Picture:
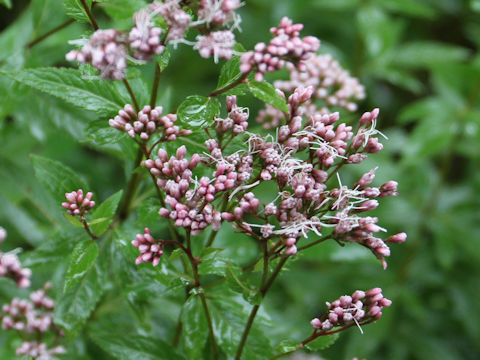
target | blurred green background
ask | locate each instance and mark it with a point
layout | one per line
(420, 64)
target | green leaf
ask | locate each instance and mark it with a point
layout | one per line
(267, 93)
(322, 342)
(7, 3)
(73, 220)
(56, 177)
(103, 215)
(418, 54)
(287, 346)
(102, 133)
(198, 111)
(55, 249)
(229, 313)
(100, 96)
(122, 9)
(82, 259)
(379, 32)
(195, 328)
(148, 212)
(163, 59)
(230, 73)
(74, 308)
(133, 346)
(75, 9)
(212, 263)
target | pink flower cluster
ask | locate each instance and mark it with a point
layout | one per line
(11, 267)
(285, 46)
(105, 51)
(333, 85)
(34, 317)
(218, 12)
(150, 249)
(237, 118)
(39, 351)
(360, 308)
(177, 20)
(144, 38)
(218, 44)
(147, 122)
(77, 204)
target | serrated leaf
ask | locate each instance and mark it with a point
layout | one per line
(83, 257)
(322, 342)
(100, 96)
(195, 328)
(75, 9)
(197, 112)
(56, 177)
(55, 249)
(266, 92)
(100, 132)
(73, 220)
(103, 215)
(74, 308)
(229, 72)
(134, 347)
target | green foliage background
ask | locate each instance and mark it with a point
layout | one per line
(420, 63)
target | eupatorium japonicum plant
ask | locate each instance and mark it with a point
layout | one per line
(275, 177)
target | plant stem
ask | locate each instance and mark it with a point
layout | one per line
(48, 33)
(229, 86)
(156, 81)
(263, 291)
(90, 15)
(132, 185)
(210, 325)
(322, 239)
(178, 332)
(194, 263)
(132, 95)
(87, 229)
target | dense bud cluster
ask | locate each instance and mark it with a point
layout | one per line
(11, 267)
(147, 122)
(144, 38)
(237, 118)
(360, 308)
(285, 46)
(150, 249)
(33, 319)
(77, 204)
(106, 51)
